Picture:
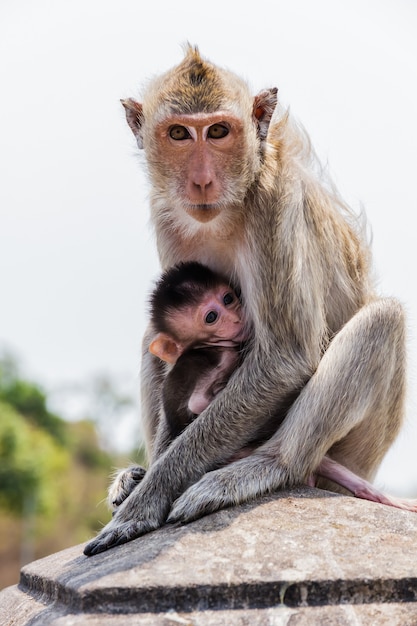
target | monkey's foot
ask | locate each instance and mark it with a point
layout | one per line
(234, 484)
(206, 496)
(114, 535)
(123, 485)
(369, 492)
(403, 503)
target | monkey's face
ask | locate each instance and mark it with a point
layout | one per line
(202, 132)
(216, 320)
(201, 162)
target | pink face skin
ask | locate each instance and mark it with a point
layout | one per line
(203, 139)
(204, 146)
(217, 320)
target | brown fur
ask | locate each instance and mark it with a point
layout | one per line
(282, 233)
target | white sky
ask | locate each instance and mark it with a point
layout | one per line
(76, 255)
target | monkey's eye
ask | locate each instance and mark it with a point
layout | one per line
(211, 317)
(228, 298)
(217, 131)
(179, 133)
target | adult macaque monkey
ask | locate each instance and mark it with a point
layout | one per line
(200, 330)
(245, 196)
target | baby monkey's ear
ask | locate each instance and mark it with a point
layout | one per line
(166, 348)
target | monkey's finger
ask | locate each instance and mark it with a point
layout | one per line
(101, 543)
(115, 537)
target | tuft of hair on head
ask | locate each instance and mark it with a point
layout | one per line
(194, 85)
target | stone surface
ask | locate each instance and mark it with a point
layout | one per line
(297, 558)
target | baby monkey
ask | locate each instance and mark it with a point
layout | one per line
(201, 332)
(197, 316)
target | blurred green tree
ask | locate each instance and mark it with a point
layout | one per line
(29, 457)
(28, 399)
(53, 473)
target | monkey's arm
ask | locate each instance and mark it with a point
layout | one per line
(156, 433)
(153, 372)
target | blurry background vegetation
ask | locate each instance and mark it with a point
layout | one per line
(54, 473)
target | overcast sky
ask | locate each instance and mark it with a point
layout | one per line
(77, 257)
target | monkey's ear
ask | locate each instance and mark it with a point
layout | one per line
(165, 348)
(134, 117)
(263, 107)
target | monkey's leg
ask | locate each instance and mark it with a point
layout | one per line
(352, 406)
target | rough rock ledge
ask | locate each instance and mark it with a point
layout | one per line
(297, 558)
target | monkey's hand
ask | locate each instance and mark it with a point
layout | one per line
(123, 484)
(144, 510)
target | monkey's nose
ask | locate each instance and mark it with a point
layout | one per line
(202, 190)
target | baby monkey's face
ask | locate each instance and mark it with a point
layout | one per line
(216, 320)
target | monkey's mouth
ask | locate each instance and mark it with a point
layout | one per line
(204, 207)
(233, 342)
(203, 212)
(221, 343)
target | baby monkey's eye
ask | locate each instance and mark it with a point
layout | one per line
(179, 133)
(211, 317)
(228, 298)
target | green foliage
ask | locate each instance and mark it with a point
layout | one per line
(84, 445)
(43, 459)
(29, 461)
(53, 474)
(29, 400)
